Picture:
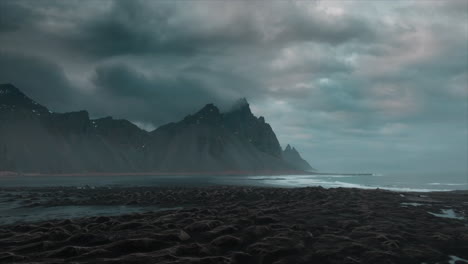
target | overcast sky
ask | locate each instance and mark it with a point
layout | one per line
(374, 86)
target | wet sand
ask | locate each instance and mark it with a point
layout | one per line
(241, 225)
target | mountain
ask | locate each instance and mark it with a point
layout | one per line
(292, 156)
(35, 140)
(243, 123)
(211, 140)
(12, 100)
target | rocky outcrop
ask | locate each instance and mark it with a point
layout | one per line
(292, 156)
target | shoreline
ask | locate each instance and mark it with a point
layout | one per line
(196, 180)
(267, 179)
(208, 173)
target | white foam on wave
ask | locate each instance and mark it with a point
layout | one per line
(334, 176)
(306, 181)
(408, 189)
(448, 184)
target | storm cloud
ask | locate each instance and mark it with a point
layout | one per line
(354, 85)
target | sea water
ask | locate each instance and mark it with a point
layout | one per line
(12, 212)
(421, 182)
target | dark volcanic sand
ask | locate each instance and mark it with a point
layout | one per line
(241, 225)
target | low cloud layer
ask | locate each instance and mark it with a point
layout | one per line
(355, 86)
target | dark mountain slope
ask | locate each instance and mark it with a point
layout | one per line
(292, 156)
(32, 139)
(203, 142)
(35, 140)
(242, 122)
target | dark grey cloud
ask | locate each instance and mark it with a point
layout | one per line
(13, 15)
(140, 27)
(43, 80)
(145, 27)
(335, 78)
(155, 99)
(124, 29)
(335, 32)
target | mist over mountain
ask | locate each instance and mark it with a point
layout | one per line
(33, 139)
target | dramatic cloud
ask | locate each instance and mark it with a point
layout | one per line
(41, 79)
(154, 98)
(354, 85)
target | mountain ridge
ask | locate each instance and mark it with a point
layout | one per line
(35, 140)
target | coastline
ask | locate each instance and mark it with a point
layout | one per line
(162, 173)
(285, 179)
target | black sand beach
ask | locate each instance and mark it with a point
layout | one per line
(242, 225)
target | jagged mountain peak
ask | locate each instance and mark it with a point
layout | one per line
(241, 103)
(8, 88)
(241, 106)
(291, 149)
(245, 124)
(291, 155)
(9, 92)
(209, 114)
(208, 109)
(12, 99)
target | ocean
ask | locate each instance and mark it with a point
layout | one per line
(420, 182)
(13, 211)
